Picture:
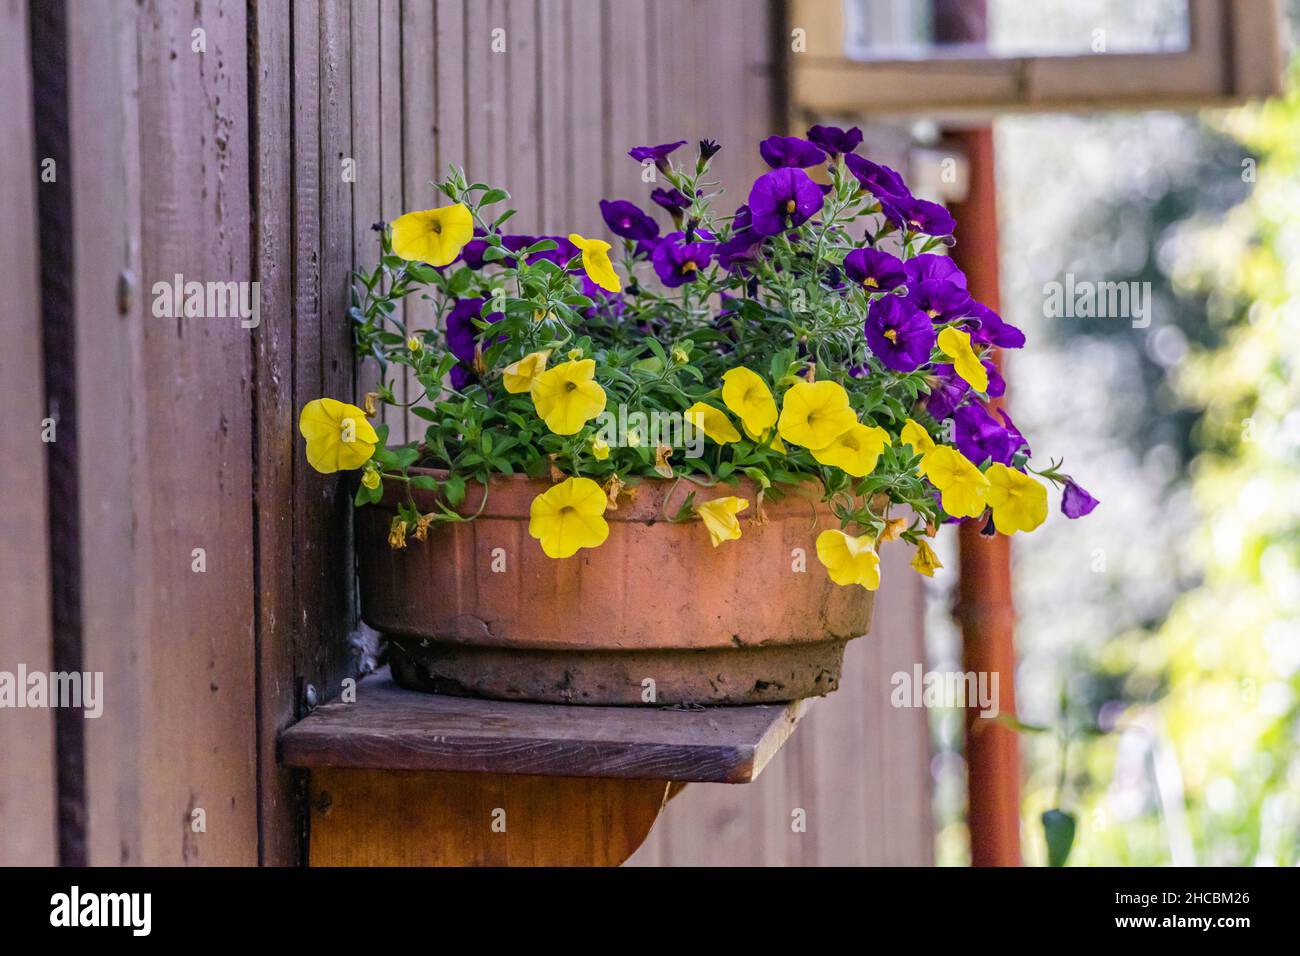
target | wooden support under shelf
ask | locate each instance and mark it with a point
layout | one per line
(404, 778)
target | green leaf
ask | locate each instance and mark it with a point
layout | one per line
(1058, 830)
(424, 481)
(494, 196)
(454, 489)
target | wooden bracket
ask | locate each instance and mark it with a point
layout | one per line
(399, 778)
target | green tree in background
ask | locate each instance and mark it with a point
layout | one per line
(1208, 771)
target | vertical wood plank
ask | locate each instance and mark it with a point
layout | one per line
(276, 422)
(556, 152)
(586, 118)
(390, 161)
(329, 659)
(173, 429)
(27, 797)
(521, 117)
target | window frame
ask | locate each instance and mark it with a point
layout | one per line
(1234, 53)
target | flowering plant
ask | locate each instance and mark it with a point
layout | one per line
(815, 334)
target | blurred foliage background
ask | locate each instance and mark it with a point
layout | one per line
(1168, 622)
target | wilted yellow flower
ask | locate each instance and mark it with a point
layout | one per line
(567, 396)
(849, 559)
(422, 527)
(713, 421)
(372, 409)
(519, 376)
(748, 396)
(925, 561)
(963, 488)
(613, 488)
(569, 516)
(814, 414)
(414, 344)
(338, 436)
(662, 466)
(856, 451)
(719, 517)
(955, 344)
(1019, 502)
(370, 478)
(397, 534)
(595, 260)
(599, 449)
(435, 236)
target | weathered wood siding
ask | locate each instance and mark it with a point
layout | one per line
(227, 163)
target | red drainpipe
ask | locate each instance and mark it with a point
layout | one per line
(984, 606)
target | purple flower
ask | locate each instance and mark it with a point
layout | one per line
(783, 199)
(900, 335)
(997, 384)
(881, 181)
(462, 338)
(708, 149)
(946, 392)
(670, 199)
(835, 140)
(979, 437)
(920, 215)
(472, 252)
(677, 262)
(628, 220)
(563, 253)
(941, 301)
(874, 270)
(782, 151)
(930, 266)
(992, 330)
(656, 154)
(741, 246)
(1075, 501)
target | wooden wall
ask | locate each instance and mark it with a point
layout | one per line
(228, 164)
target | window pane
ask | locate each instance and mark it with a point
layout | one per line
(906, 29)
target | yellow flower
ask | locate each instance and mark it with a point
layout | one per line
(963, 487)
(569, 516)
(338, 436)
(414, 344)
(719, 517)
(397, 534)
(955, 344)
(761, 437)
(435, 236)
(849, 560)
(599, 449)
(595, 260)
(856, 451)
(567, 396)
(814, 414)
(922, 444)
(750, 399)
(925, 561)
(519, 376)
(1019, 502)
(370, 478)
(714, 422)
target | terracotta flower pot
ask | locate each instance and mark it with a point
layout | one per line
(655, 615)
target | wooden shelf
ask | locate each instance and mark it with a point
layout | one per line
(389, 728)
